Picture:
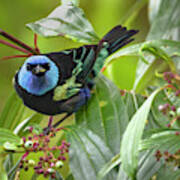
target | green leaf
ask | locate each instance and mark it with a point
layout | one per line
(106, 114)
(109, 166)
(153, 9)
(66, 20)
(132, 102)
(168, 11)
(88, 153)
(133, 12)
(166, 140)
(148, 166)
(133, 135)
(164, 25)
(30, 121)
(3, 174)
(12, 112)
(7, 136)
(70, 177)
(168, 172)
(12, 171)
(10, 146)
(161, 49)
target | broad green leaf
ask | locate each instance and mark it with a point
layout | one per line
(148, 166)
(132, 102)
(10, 146)
(12, 171)
(109, 166)
(12, 112)
(34, 119)
(166, 140)
(163, 26)
(146, 73)
(3, 174)
(133, 12)
(133, 135)
(66, 20)
(88, 153)
(156, 118)
(153, 8)
(168, 46)
(168, 11)
(70, 177)
(105, 113)
(8, 163)
(34, 177)
(7, 136)
(168, 172)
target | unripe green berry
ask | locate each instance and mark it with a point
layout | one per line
(28, 144)
(172, 113)
(31, 162)
(59, 164)
(178, 111)
(50, 170)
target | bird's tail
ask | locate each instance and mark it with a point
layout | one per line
(118, 37)
(115, 39)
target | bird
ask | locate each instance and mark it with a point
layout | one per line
(61, 82)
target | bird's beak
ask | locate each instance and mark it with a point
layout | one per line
(38, 70)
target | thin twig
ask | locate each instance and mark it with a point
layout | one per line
(14, 46)
(35, 44)
(15, 56)
(18, 42)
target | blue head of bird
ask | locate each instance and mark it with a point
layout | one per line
(38, 75)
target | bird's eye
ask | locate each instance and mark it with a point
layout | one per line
(46, 66)
(29, 67)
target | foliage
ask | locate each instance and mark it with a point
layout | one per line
(119, 134)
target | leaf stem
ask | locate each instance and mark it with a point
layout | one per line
(18, 42)
(13, 46)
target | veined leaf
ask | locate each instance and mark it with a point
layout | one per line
(166, 140)
(168, 11)
(133, 135)
(3, 174)
(154, 6)
(66, 20)
(88, 153)
(12, 112)
(106, 114)
(34, 119)
(163, 26)
(162, 49)
(109, 166)
(168, 172)
(7, 136)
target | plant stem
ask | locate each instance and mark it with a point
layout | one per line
(18, 42)
(14, 46)
(15, 56)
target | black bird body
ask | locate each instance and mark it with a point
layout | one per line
(77, 69)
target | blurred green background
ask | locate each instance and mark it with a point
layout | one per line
(103, 14)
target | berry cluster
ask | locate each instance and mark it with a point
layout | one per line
(169, 157)
(174, 81)
(171, 110)
(52, 158)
